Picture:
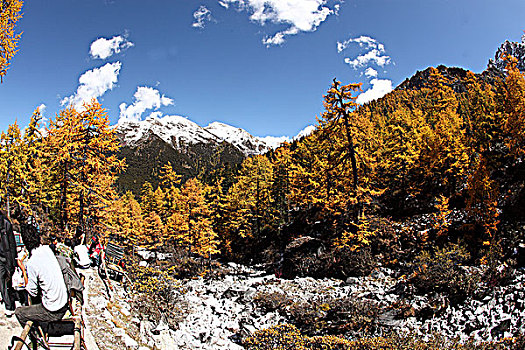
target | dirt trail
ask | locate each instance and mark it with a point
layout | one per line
(104, 318)
(8, 328)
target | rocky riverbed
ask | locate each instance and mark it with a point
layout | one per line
(218, 313)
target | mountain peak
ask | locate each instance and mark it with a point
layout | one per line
(238, 137)
(172, 129)
(178, 131)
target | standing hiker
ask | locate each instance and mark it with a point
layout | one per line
(7, 264)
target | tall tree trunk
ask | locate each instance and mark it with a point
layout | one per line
(8, 204)
(351, 148)
(63, 204)
(257, 204)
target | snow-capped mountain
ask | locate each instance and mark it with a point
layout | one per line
(179, 132)
(172, 129)
(238, 137)
(148, 145)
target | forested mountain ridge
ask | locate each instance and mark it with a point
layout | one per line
(191, 149)
(440, 156)
(445, 147)
(509, 48)
(145, 159)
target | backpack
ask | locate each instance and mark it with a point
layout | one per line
(7, 244)
(74, 284)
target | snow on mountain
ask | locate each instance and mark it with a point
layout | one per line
(305, 132)
(238, 137)
(276, 141)
(179, 131)
(173, 129)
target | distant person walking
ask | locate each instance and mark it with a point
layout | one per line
(81, 252)
(45, 279)
(8, 263)
(96, 250)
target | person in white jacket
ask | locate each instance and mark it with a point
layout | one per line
(45, 280)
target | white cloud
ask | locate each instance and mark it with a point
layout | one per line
(375, 52)
(363, 41)
(201, 16)
(278, 38)
(144, 98)
(93, 84)
(276, 141)
(299, 15)
(373, 56)
(103, 48)
(156, 114)
(371, 72)
(42, 108)
(380, 87)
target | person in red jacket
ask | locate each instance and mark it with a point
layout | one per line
(95, 251)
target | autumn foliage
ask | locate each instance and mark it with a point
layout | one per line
(10, 14)
(447, 144)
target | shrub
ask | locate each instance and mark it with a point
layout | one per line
(323, 314)
(441, 271)
(156, 292)
(288, 337)
(186, 265)
(279, 337)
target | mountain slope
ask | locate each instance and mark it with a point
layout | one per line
(149, 144)
(191, 149)
(238, 137)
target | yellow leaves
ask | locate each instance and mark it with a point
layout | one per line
(79, 156)
(514, 109)
(482, 200)
(250, 199)
(441, 217)
(10, 14)
(361, 236)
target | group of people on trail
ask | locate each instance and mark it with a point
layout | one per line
(40, 276)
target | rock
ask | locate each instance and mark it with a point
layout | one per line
(249, 328)
(130, 342)
(125, 311)
(300, 255)
(218, 313)
(389, 319)
(377, 274)
(500, 329)
(353, 280)
(161, 326)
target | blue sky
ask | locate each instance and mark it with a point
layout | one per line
(259, 65)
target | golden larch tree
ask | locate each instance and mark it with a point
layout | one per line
(10, 14)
